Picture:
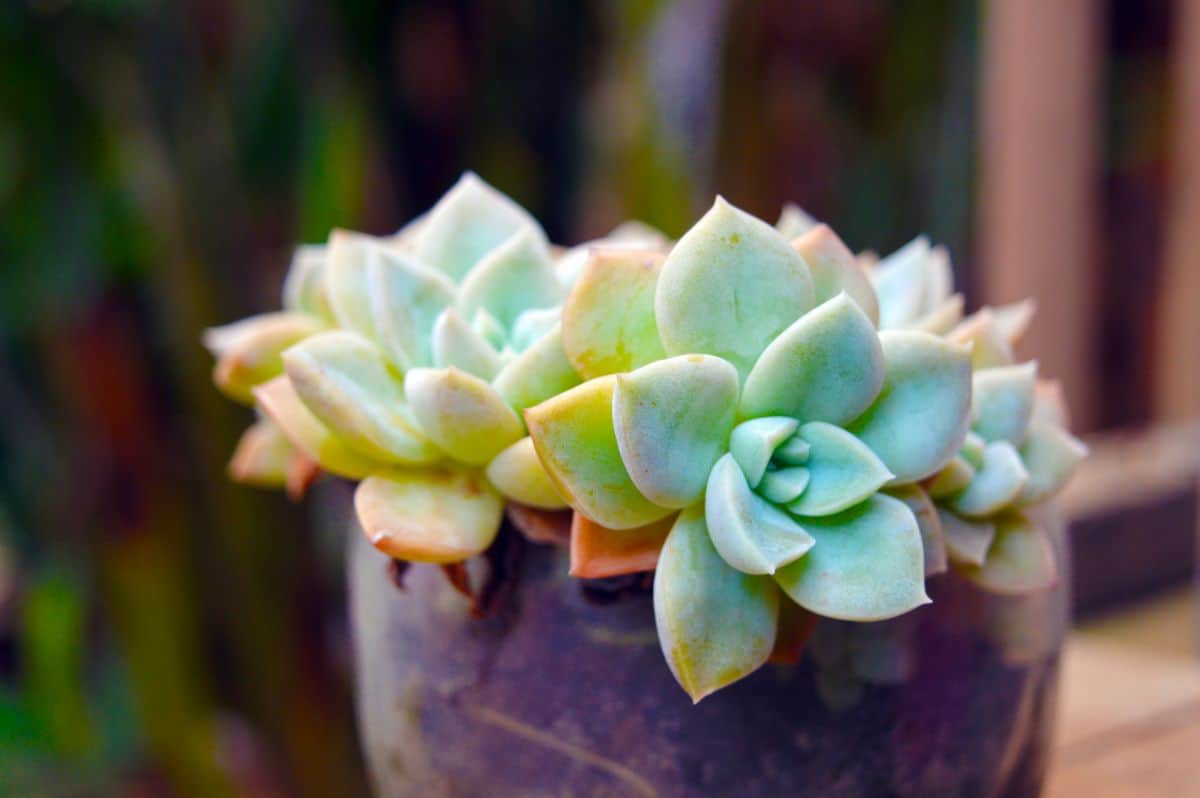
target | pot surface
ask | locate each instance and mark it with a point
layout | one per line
(562, 691)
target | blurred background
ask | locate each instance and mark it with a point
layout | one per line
(166, 633)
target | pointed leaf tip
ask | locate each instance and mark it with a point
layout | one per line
(728, 287)
(715, 624)
(672, 421)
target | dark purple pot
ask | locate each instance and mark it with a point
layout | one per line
(563, 691)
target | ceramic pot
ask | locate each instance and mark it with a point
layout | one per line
(562, 690)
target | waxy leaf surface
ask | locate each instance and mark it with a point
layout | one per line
(462, 414)
(827, 366)
(574, 436)
(715, 623)
(672, 420)
(429, 515)
(751, 534)
(608, 318)
(867, 563)
(728, 287)
(921, 415)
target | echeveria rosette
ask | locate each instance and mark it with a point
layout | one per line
(249, 353)
(444, 334)
(1018, 453)
(740, 399)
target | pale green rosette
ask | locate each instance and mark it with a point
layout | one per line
(1018, 453)
(438, 338)
(739, 386)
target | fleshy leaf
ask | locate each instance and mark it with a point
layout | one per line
(844, 471)
(835, 270)
(728, 287)
(349, 386)
(753, 442)
(997, 483)
(972, 449)
(518, 474)
(794, 221)
(468, 222)
(867, 563)
(304, 285)
(598, 552)
(262, 457)
(1049, 404)
(277, 398)
(967, 542)
(908, 284)
(782, 485)
(715, 624)
(1014, 319)
(406, 298)
(458, 344)
(429, 515)
(943, 318)
(827, 366)
(957, 474)
(538, 373)
(933, 539)
(551, 527)
(574, 436)
(1050, 455)
(920, 418)
(490, 329)
(631, 235)
(751, 534)
(248, 351)
(533, 325)
(989, 346)
(672, 420)
(462, 414)
(608, 318)
(346, 287)
(794, 451)
(1020, 560)
(511, 279)
(1003, 402)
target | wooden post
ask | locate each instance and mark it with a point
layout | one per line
(1039, 124)
(1176, 361)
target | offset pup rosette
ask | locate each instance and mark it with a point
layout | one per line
(423, 350)
(745, 429)
(1018, 452)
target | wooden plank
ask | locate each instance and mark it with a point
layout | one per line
(1176, 366)
(1040, 122)
(1134, 487)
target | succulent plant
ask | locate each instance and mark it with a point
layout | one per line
(418, 351)
(1018, 452)
(777, 428)
(742, 412)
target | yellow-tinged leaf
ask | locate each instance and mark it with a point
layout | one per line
(715, 623)
(574, 436)
(262, 456)
(462, 414)
(518, 474)
(608, 318)
(277, 398)
(429, 514)
(249, 351)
